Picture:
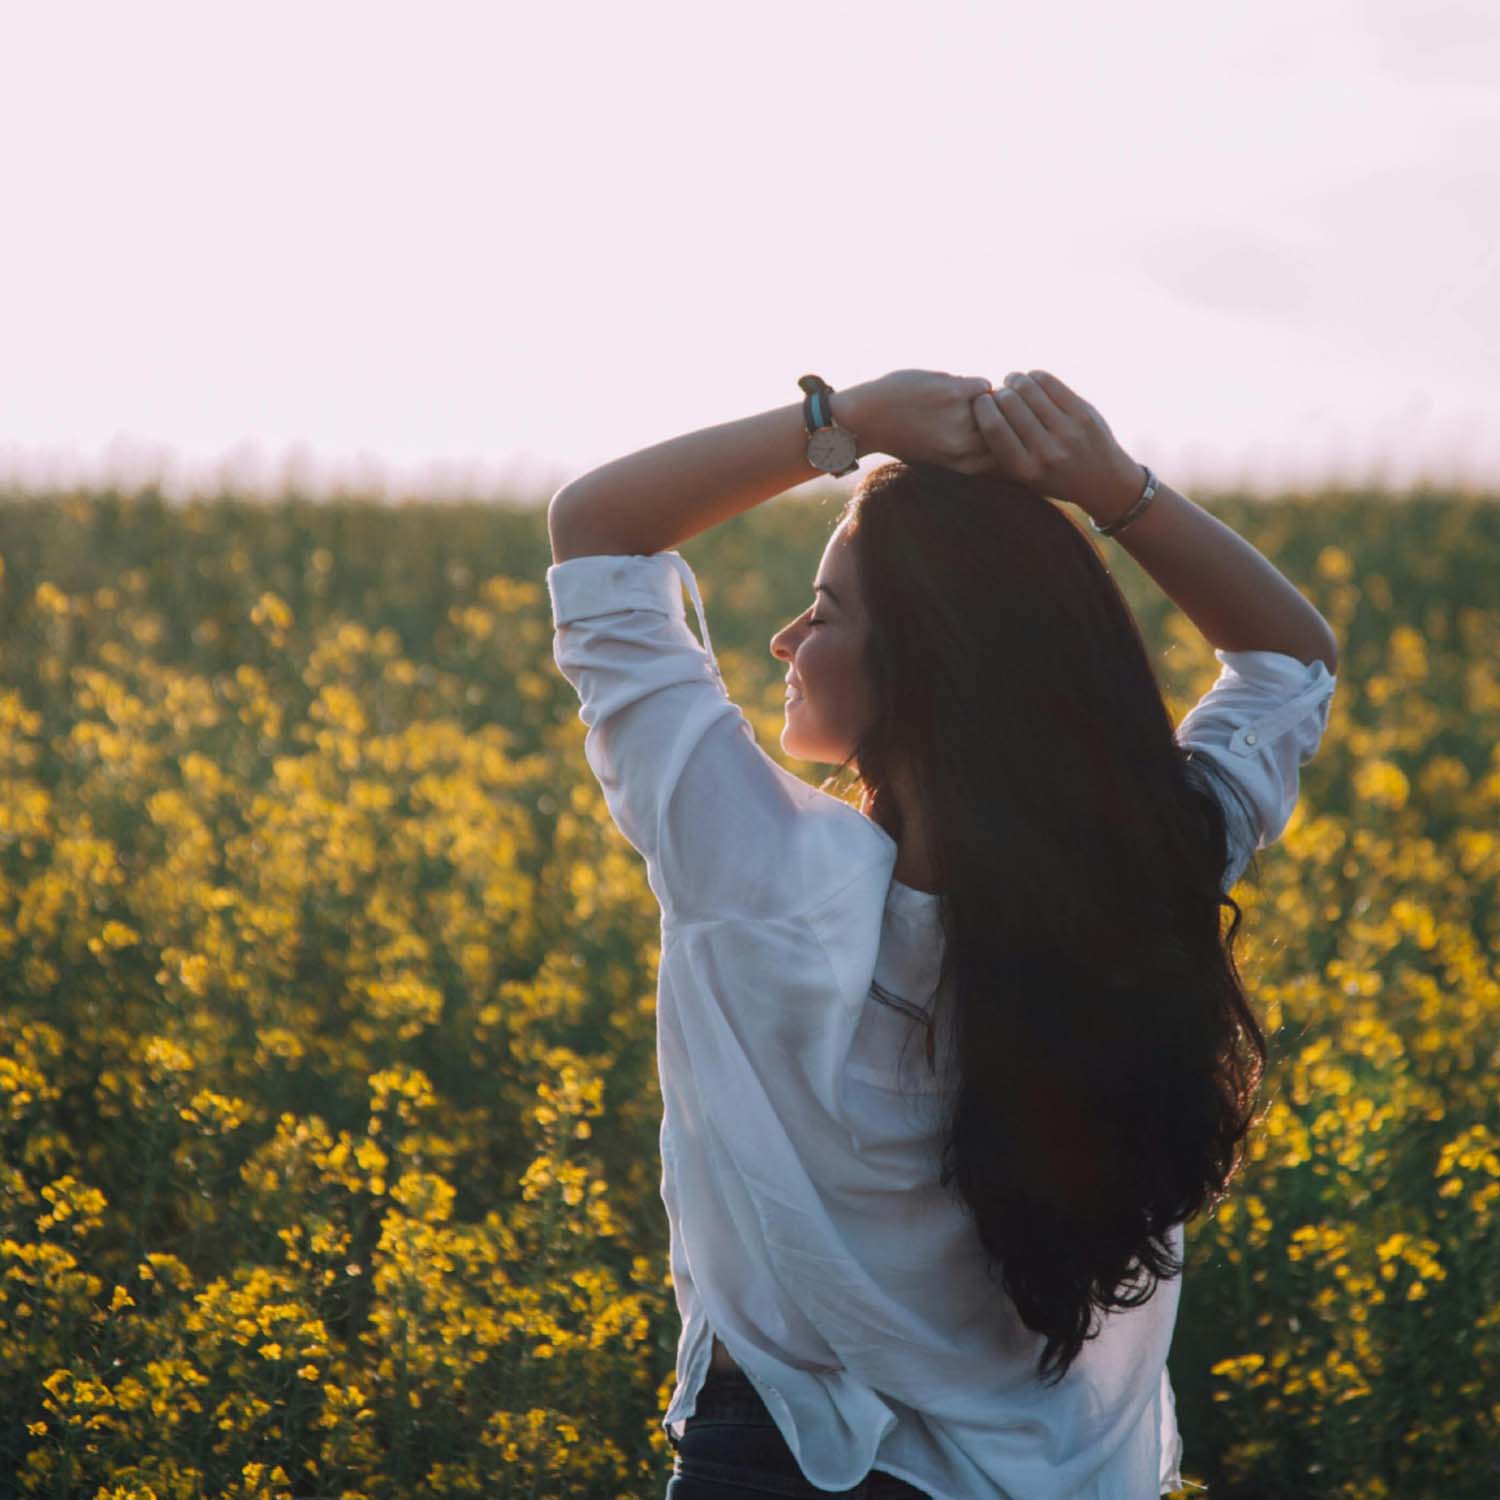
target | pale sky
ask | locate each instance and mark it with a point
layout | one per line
(467, 247)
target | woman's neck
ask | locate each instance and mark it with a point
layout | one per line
(913, 858)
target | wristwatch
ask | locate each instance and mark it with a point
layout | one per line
(829, 447)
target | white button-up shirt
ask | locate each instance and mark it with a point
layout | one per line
(799, 1160)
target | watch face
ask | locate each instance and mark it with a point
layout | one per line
(831, 448)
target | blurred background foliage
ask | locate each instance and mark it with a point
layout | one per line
(327, 1062)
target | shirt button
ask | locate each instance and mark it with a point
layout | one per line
(1250, 738)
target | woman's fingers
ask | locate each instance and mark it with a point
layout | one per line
(1065, 454)
(1023, 430)
(1062, 396)
(1037, 404)
(1021, 415)
(999, 436)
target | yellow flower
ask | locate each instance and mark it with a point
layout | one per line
(1382, 783)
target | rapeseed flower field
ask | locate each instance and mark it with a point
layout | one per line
(327, 1071)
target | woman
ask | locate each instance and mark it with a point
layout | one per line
(951, 1275)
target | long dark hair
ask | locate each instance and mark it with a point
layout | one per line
(1105, 1055)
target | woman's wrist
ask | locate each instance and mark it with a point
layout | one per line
(1117, 494)
(851, 410)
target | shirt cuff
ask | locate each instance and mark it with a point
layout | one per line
(1273, 669)
(1303, 689)
(602, 583)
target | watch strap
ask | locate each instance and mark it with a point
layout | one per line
(816, 409)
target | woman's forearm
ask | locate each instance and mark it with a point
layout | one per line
(1234, 595)
(654, 499)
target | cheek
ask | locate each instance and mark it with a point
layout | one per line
(816, 659)
(832, 671)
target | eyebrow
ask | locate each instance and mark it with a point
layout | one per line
(823, 588)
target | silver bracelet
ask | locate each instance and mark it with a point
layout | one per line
(1148, 494)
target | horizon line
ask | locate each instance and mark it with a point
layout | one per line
(527, 480)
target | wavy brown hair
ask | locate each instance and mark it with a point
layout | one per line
(1106, 1057)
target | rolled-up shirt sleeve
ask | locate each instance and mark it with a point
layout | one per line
(726, 831)
(1260, 722)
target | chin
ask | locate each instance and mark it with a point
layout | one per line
(798, 749)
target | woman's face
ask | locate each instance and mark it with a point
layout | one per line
(822, 649)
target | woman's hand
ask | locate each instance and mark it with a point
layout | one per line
(921, 416)
(1040, 434)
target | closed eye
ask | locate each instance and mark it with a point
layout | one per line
(812, 621)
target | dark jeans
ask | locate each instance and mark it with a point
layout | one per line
(732, 1449)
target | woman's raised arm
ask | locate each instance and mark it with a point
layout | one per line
(1044, 435)
(658, 497)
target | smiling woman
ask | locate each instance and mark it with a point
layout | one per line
(966, 1279)
(824, 649)
(824, 654)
